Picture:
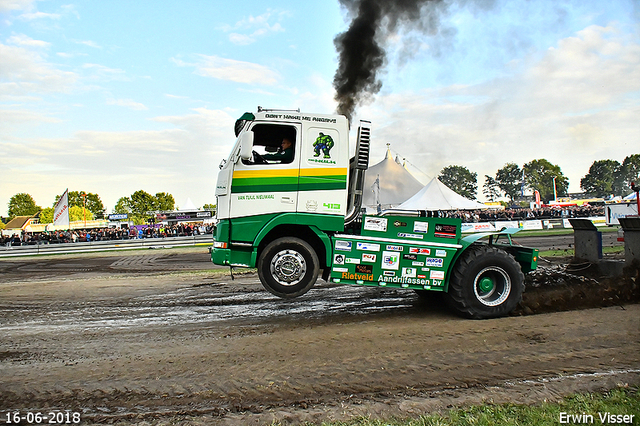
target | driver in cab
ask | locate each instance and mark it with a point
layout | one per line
(284, 154)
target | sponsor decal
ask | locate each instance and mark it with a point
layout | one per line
(406, 235)
(312, 205)
(410, 256)
(331, 206)
(437, 282)
(438, 275)
(389, 274)
(375, 224)
(425, 269)
(363, 277)
(257, 197)
(422, 276)
(398, 224)
(403, 280)
(421, 227)
(321, 160)
(409, 272)
(352, 260)
(343, 245)
(364, 269)
(445, 231)
(433, 262)
(419, 250)
(323, 143)
(368, 246)
(338, 259)
(441, 253)
(390, 260)
(417, 263)
(366, 257)
(341, 269)
(395, 248)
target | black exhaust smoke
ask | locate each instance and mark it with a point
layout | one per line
(361, 48)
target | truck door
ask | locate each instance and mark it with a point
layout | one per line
(267, 183)
(323, 170)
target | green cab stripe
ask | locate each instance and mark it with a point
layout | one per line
(266, 181)
(289, 184)
(264, 188)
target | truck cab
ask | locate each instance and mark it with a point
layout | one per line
(263, 197)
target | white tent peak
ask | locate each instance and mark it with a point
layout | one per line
(395, 184)
(437, 196)
(188, 206)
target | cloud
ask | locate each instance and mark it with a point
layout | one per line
(204, 123)
(248, 30)
(182, 160)
(231, 70)
(32, 16)
(88, 43)
(25, 71)
(9, 5)
(23, 40)
(128, 103)
(103, 73)
(576, 104)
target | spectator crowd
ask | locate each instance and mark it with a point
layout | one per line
(190, 229)
(543, 213)
(106, 234)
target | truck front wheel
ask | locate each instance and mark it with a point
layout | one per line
(288, 267)
(486, 283)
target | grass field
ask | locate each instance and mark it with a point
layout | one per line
(618, 402)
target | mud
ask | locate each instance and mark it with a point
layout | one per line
(164, 337)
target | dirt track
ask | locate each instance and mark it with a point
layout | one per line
(124, 338)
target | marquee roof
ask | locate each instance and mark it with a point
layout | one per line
(437, 196)
(396, 184)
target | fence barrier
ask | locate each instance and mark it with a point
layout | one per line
(108, 245)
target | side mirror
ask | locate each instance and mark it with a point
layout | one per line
(246, 145)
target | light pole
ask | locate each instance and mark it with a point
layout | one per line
(636, 189)
(555, 193)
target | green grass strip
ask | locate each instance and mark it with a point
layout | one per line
(617, 402)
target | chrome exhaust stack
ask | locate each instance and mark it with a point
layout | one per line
(357, 167)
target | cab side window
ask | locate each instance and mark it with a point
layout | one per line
(272, 144)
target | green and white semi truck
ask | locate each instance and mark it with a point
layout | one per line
(296, 214)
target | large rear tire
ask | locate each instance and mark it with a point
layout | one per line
(288, 267)
(486, 283)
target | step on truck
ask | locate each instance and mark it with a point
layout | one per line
(289, 203)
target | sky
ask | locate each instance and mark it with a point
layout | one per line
(112, 97)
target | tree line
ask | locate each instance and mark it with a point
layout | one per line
(605, 178)
(88, 206)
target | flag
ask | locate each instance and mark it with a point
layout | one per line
(61, 211)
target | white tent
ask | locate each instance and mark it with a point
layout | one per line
(437, 196)
(631, 196)
(388, 184)
(188, 206)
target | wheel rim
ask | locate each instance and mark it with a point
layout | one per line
(288, 267)
(492, 286)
